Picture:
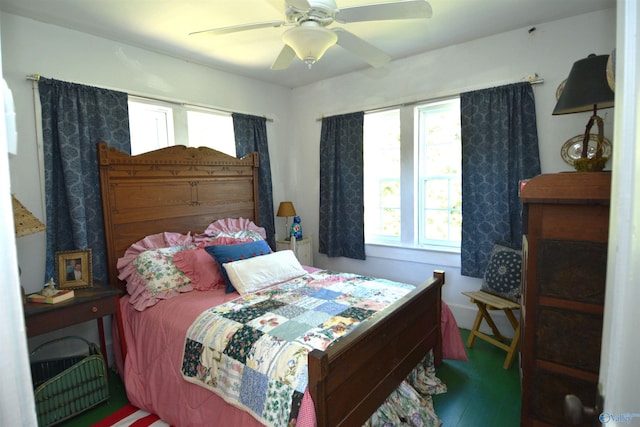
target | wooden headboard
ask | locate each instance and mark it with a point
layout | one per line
(178, 189)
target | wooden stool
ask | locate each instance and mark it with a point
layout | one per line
(485, 303)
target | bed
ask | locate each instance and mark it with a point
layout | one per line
(185, 190)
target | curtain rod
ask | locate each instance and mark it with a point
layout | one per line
(36, 78)
(533, 79)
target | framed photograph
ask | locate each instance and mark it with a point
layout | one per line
(73, 269)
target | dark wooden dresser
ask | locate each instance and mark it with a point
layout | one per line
(565, 227)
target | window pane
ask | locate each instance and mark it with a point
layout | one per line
(436, 193)
(157, 124)
(430, 149)
(390, 193)
(455, 226)
(150, 126)
(436, 225)
(390, 222)
(382, 175)
(213, 130)
(440, 162)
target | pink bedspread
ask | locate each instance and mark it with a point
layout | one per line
(452, 346)
(151, 371)
(152, 368)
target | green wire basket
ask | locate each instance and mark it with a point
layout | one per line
(65, 387)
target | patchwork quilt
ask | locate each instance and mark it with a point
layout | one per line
(252, 351)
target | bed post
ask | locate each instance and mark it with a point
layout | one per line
(256, 207)
(352, 377)
(437, 350)
(318, 367)
(103, 164)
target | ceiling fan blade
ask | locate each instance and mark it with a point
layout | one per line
(371, 54)
(284, 58)
(299, 4)
(411, 9)
(241, 27)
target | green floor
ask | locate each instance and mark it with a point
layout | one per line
(480, 392)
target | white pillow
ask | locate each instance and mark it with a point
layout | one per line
(252, 274)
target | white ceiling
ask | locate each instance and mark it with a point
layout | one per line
(164, 26)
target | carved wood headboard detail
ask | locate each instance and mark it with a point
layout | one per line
(177, 189)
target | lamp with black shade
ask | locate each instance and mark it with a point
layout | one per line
(587, 89)
(286, 210)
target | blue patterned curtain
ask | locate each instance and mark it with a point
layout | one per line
(341, 186)
(499, 148)
(74, 119)
(251, 135)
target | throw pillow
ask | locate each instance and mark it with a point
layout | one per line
(253, 274)
(230, 253)
(155, 277)
(201, 268)
(503, 274)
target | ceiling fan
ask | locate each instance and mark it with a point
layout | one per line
(310, 36)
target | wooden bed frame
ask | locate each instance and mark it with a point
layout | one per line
(184, 189)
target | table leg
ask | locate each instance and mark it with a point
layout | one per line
(103, 344)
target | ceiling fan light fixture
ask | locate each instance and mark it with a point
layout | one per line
(309, 41)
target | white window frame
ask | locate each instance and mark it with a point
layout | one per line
(177, 124)
(409, 176)
(379, 237)
(424, 175)
(220, 134)
(163, 115)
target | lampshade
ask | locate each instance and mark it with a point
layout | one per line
(286, 209)
(309, 41)
(25, 222)
(586, 87)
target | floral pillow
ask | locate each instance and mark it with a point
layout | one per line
(157, 277)
(232, 225)
(241, 234)
(236, 228)
(140, 295)
(158, 270)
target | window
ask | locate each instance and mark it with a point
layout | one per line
(382, 175)
(208, 129)
(156, 124)
(440, 178)
(412, 164)
(150, 126)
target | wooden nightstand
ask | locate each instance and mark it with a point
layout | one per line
(87, 304)
(303, 249)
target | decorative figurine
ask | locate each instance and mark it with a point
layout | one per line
(49, 289)
(296, 228)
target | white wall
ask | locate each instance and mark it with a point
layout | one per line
(30, 47)
(549, 51)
